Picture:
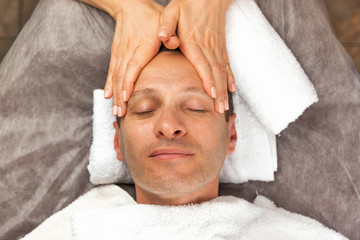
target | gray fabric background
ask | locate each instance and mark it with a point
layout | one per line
(62, 54)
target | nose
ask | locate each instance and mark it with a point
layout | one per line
(169, 125)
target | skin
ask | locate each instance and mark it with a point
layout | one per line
(200, 27)
(170, 110)
(197, 27)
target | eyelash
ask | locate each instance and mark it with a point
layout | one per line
(143, 113)
(197, 110)
(192, 110)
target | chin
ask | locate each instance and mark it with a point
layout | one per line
(174, 185)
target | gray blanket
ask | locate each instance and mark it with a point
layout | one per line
(62, 54)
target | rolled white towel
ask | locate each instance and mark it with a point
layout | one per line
(255, 155)
(268, 76)
(103, 165)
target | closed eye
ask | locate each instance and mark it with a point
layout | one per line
(198, 110)
(143, 113)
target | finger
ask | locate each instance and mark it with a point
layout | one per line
(116, 99)
(118, 79)
(169, 20)
(197, 58)
(108, 92)
(108, 89)
(119, 109)
(142, 56)
(172, 43)
(230, 75)
(120, 106)
(219, 72)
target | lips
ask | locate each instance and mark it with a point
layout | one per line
(169, 154)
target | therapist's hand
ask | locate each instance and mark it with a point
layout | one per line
(135, 43)
(200, 26)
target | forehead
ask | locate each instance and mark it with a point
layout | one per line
(169, 71)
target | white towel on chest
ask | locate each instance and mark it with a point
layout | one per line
(222, 218)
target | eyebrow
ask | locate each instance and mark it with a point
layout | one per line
(151, 91)
(196, 90)
(144, 92)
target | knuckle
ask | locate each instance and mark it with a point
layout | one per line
(201, 61)
(118, 99)
(219, 70)
(108, 84)
(207, 81)
(126, 82)
(114, 52)
(113, 78)
(231, 78)
(223, 94)
(117, 77)
(133, 63)
(222, 90)
(109, 79)
(231, 74)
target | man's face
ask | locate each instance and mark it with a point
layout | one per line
(172, 139)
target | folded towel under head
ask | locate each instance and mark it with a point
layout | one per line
(273, 91)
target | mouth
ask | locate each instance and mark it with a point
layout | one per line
(170, 154)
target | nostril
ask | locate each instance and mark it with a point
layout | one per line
(177, 132)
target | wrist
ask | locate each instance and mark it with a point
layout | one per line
(228, 3)
(122, 4)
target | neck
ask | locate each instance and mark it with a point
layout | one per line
(206, 193)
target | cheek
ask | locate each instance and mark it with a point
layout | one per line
(213, 134)
(135, 138)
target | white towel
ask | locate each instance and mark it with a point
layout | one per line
(268, 76)
(104, 168)
(255, 155)
(273, 91)
(221, 218)
(58, 226)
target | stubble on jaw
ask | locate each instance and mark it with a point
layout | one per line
(173, 183)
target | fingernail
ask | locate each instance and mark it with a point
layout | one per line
(119, 111)
(163, 34)
(106, 93)
(124, 95)
(221, 107)
(114, 110)
(233, 86)
(226, 105)
(213, 92)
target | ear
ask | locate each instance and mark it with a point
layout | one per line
(233, 133)
(117, 149)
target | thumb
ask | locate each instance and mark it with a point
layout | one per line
(169, 20)
(172, 43)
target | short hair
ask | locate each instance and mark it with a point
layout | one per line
(228, 113)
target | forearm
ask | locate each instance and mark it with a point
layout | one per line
(109, 6)
(112, 7)
(228, 3)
